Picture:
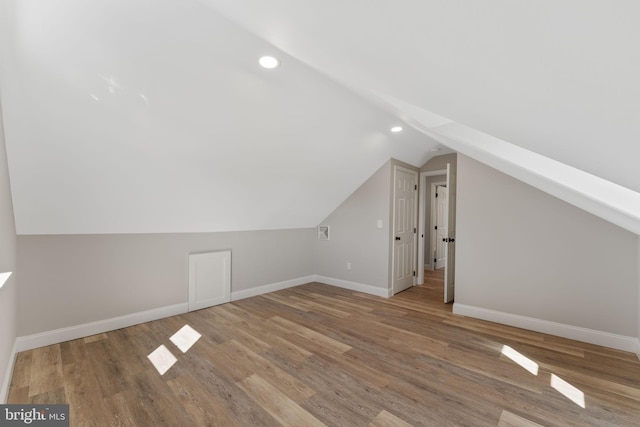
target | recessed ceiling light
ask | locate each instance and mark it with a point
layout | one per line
(268, 62)
(396, 129)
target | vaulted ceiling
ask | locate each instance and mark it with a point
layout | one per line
(153, 115)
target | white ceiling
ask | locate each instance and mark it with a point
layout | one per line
(152, 115)
(559, 77)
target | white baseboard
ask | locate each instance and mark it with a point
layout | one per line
(272, 287)
(87, 329)
(6, 383)
(592, 336)
(353, 286)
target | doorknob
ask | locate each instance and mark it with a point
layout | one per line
(397, 237)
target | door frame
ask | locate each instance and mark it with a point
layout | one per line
(422, 216)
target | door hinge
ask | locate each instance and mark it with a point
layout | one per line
(414, 230)
(436, 195)
(414, 274)
(435, 260)
(415, 187)
(436, 227)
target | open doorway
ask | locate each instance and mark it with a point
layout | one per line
(434, 285)
(436, 237)
(426, 231)
(437, 255)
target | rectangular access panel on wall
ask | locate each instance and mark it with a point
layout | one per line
(209, 279)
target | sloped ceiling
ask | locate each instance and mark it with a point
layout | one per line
(133, 116)
(152, 116)
(546, 91)
(556, 77)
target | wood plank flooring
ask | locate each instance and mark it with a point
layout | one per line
(320, 355)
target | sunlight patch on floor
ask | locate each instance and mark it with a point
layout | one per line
(185, 338)
(162, 359)
(509, 419)
(570, 392)
(520, 359)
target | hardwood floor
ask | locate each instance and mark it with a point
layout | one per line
(320, 355)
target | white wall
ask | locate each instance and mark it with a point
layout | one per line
(521, 251)
(8, 299)
(355, 237)
(69, 280)
(439, 162)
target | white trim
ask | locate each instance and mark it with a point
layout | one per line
(592, 336)
(271, 287)
(353, 286)
(92, 328)
(56, 336)
(8, 375)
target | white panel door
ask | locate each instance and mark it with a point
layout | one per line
(450, 270)
(209, 279)
(404, 228)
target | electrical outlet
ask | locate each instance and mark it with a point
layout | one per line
(379, 223)
(348, 266)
